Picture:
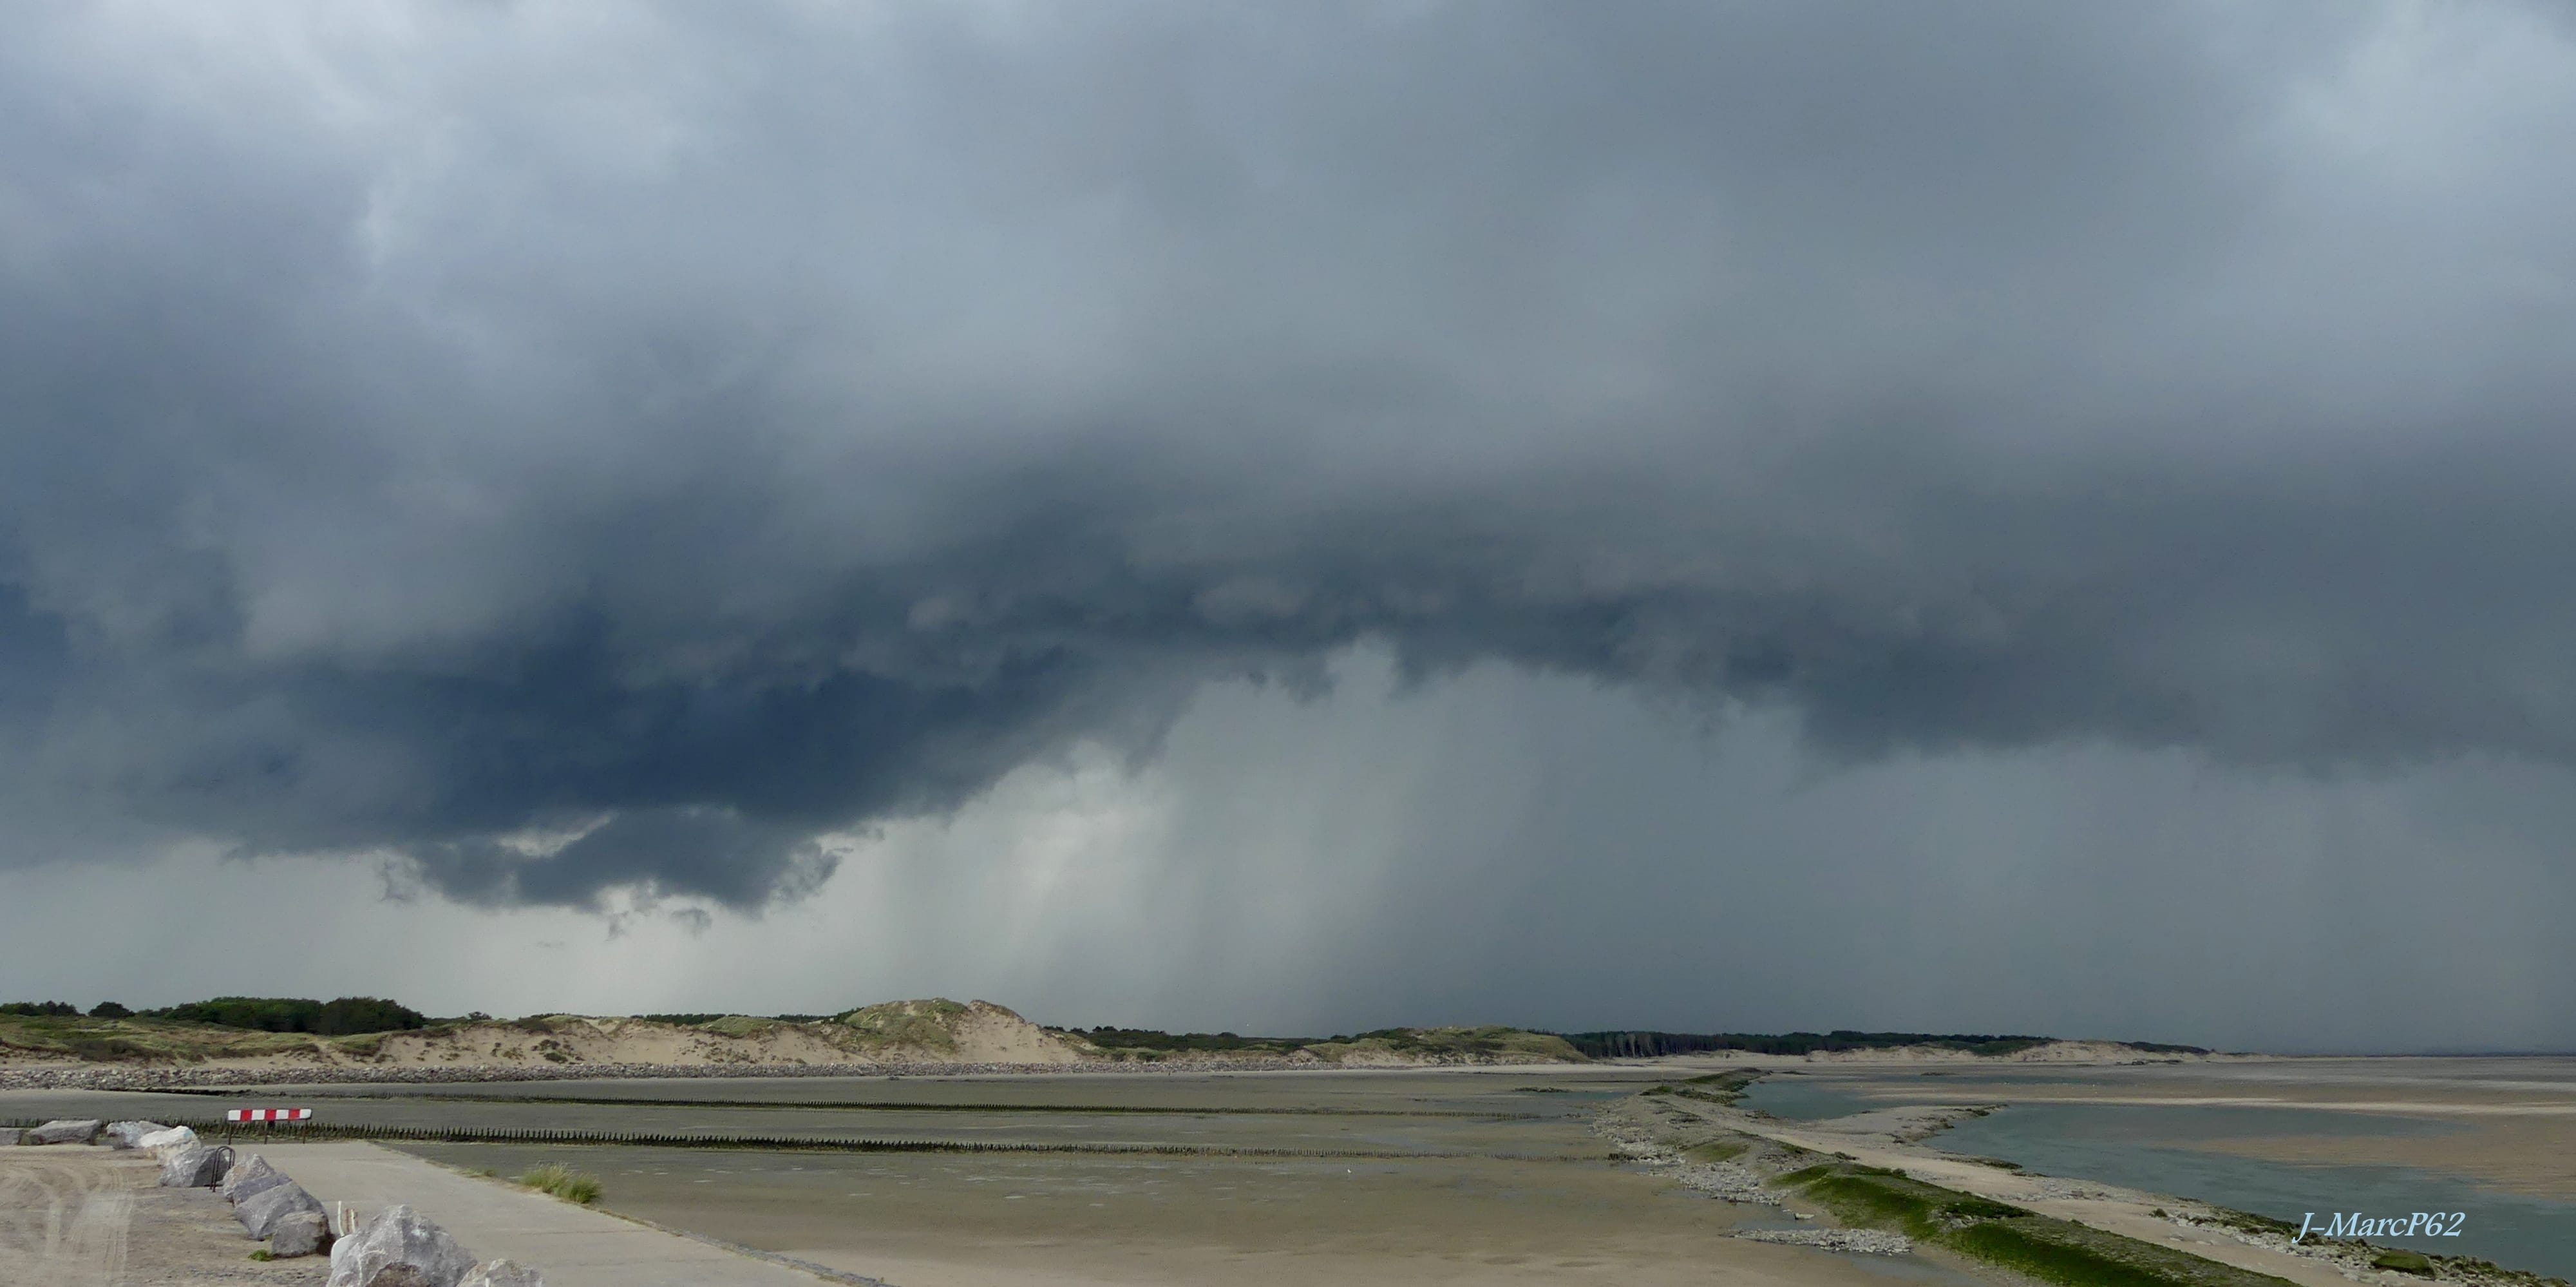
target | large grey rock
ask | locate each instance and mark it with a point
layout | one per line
(397, 1248)
(260, 1212)
(127, 1134)
(250, 1175)
(501, 1273)
(64, 1130)
(197, 1167)
(161, 1144)
(299, 1233)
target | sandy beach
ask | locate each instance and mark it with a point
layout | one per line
(75, 1216)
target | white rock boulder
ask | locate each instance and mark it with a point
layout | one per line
(299, 1233)
(260, 1212)
(162, 1144)
(64, 1130)
(196, 1167)
(250, 1175)
(398, 1248)
(123, 1135)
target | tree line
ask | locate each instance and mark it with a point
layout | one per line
(344, 1016)
(1650, 1045)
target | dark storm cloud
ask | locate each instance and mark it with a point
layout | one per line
(420, 428)
(687, 851)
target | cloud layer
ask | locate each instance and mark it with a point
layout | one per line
(593, 448)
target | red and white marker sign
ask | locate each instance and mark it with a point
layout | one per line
(267, 1114)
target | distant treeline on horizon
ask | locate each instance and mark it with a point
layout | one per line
(343, 1017)
(1650, 1045)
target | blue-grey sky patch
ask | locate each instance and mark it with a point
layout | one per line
(702, 436)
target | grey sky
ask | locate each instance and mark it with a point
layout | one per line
(2117, 455)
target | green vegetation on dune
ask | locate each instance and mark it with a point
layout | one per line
(150, 1040)
(1492, 1044)
(712, 1020)
(1514, 1045)
(1149, 1042)
(922, 1024)
(220, 1028)
(739, 1025)
(2041, 1247)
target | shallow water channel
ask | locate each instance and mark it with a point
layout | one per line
(2151, 1147)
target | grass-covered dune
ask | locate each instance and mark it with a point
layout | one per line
(371, 1030)
(155, 1040)
(362, 1030)
(1491, 1044)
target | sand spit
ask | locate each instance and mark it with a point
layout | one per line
(1893, 1139)
(1869, 1242)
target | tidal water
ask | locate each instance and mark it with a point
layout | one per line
(2150, 1148)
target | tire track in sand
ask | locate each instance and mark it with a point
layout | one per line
(61, 1222)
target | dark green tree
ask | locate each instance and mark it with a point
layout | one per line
(340, 1018)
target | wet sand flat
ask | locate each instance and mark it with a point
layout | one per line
(1478, 1113)
(2537, 1086)
(1554, 1136)
(1374, 1176)
(571, 1246)
(924, 1220)
(1369, 1091)
(2537, 1158)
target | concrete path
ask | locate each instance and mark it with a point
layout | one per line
(571, 1246)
